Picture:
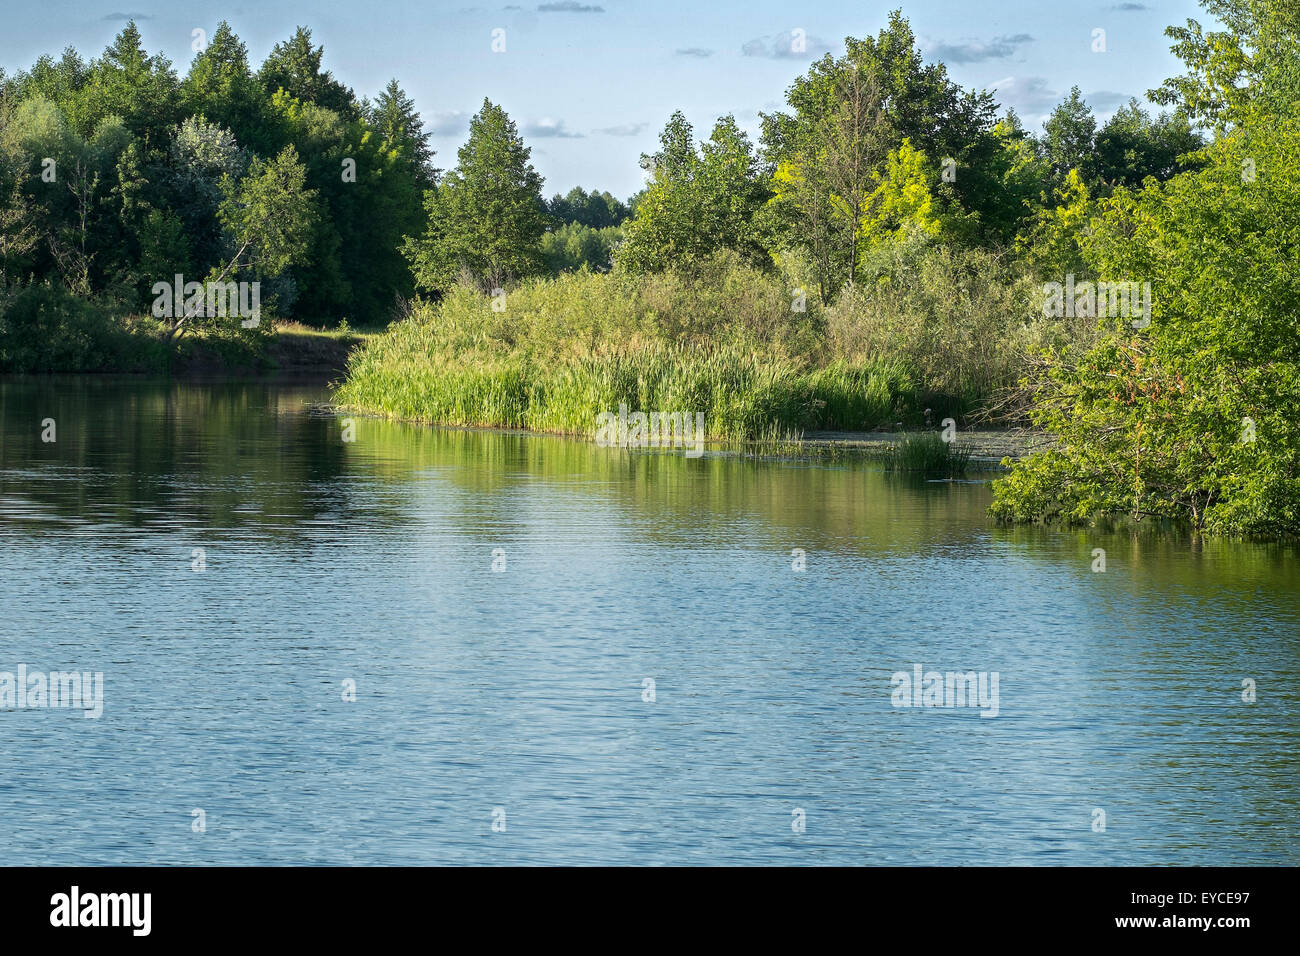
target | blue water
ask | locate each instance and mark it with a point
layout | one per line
(521, 690)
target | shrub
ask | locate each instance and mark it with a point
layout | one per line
(962, 321)
(44, 328)
(1193, 417)
(724, 342)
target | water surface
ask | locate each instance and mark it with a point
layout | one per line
(522, 689)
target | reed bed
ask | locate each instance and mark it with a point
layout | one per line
(561, 351)
(928, 455)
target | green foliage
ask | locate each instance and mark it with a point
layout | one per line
(1131, 146)
(487, 217)
(395, 119)
(1067, 143)
(928, 455)
(294, 66)
(221, 87)
(1229, 71)
(697, 203)
(595, 210)
(1124, 152)
(200, 156)
(164, 246)
(137, 151)
(848, 117)
(961, 321)
(44, 328)
(1050, 243)
(411, 372)
(574, 246)
(269, 214)
(721, 338)
(902, 202)
(1196, 417)
(1193, 418)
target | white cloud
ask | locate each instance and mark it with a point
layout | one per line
(548, 128)
(628, 129)
(569, 6)
(1104, 101)
(791, 45)
(447, 123)
(1029, 95)
(977, 51)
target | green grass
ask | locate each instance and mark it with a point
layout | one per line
(564, 350)
(724, 342)
(926, 454)
(744, 397)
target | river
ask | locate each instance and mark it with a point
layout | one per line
(426, 646)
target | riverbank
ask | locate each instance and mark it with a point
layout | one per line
(138, 346)
(723, 341)
(292, 348)
(986, 447)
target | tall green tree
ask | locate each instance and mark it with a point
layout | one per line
(1132, 146)
(1068, 137)
(846, 117)
(1195, 417)
(129, 83)
(1228, 70)
(220, 87)
(201, 156)
(487, 216)
(294, 65)
(1191, 412)
(268, 215)
(394, 116)
(698, 203)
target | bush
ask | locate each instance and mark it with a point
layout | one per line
(964, 322)
(581, 314)
(44, 328)
(1192, 418)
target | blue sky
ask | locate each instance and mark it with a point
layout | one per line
(591, 82)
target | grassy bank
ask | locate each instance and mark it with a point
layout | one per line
(727, 340)
(44, 329)
(564, 350)
(743, 396)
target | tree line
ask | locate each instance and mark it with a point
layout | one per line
(117, 173)
(893, 205)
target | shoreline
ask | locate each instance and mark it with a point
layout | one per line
(294, 350)
(987, 446)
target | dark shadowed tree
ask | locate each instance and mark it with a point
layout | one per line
(294, 65)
